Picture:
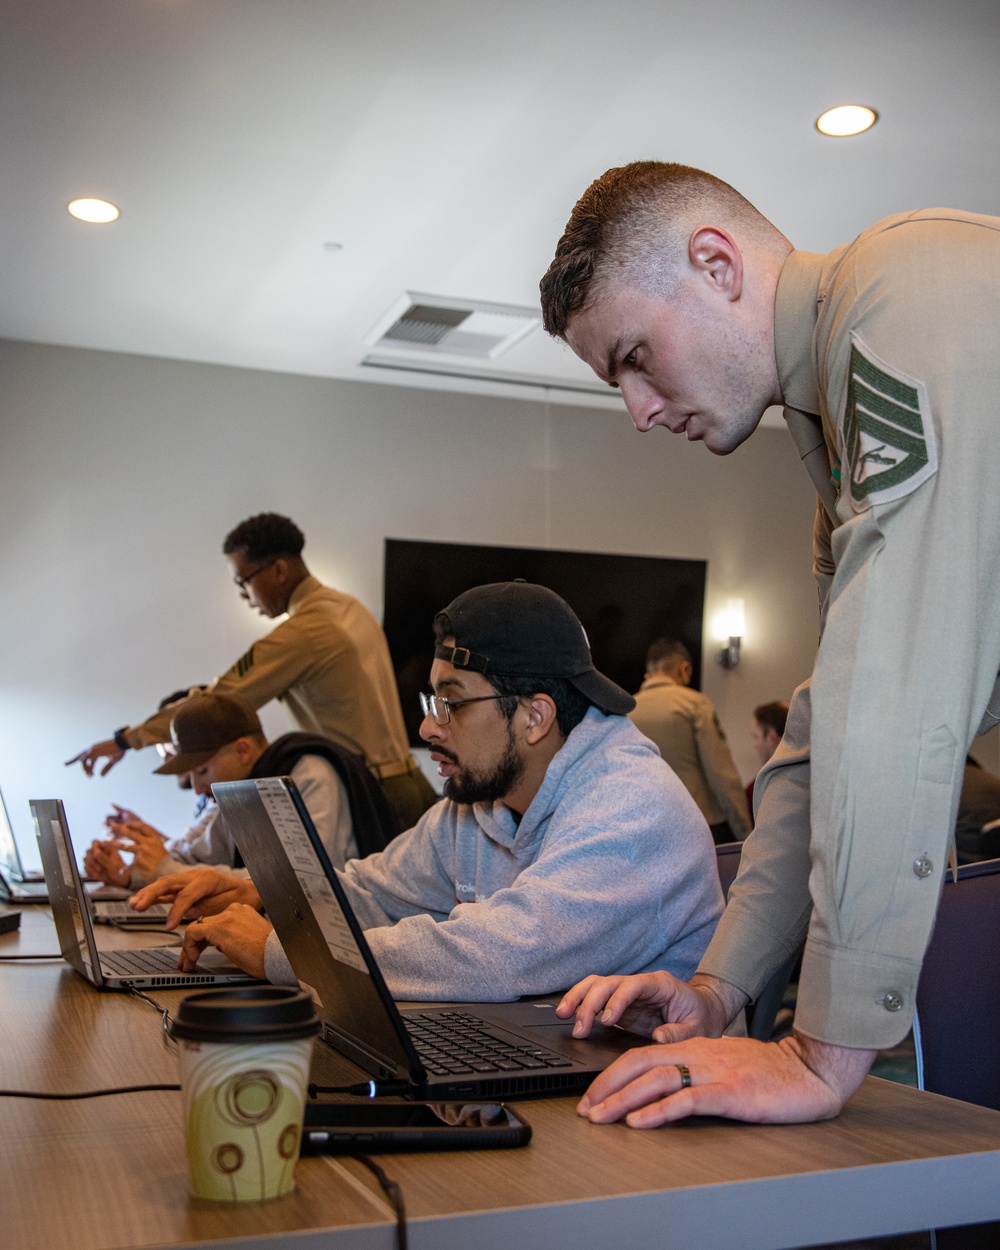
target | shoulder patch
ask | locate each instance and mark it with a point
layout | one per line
(244, 664)
(890, 446)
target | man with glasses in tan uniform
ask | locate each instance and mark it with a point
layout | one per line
(886, 356)
(328, 662)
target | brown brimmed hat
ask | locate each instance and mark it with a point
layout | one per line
(204, 724)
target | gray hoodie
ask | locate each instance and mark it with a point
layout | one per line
(610, 870)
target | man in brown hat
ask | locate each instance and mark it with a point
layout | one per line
(218, 737)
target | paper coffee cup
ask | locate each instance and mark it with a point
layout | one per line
(244, 1055)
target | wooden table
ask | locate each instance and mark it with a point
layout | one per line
(110, 1172)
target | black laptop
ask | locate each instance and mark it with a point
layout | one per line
(452, 1051)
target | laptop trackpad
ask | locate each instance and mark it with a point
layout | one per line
(539, 1020)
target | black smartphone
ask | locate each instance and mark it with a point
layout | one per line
(391, 1128)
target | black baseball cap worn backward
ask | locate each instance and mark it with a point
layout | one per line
(516, 629)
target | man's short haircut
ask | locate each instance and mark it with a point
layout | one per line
(571, 704)
(265, 537)
(631, 227)
(772, 716)
(666, 653)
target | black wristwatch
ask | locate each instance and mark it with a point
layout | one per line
(121, 742)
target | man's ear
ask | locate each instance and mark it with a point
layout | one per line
(246, 752)
(715, 255)
(541, 717)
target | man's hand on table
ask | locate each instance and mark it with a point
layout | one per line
(108, 749)
(788, 1082)
(653, 1004)
(200, 892)
(240, 932)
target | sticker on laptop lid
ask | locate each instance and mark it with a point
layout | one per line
(311, 877)
(64, 864)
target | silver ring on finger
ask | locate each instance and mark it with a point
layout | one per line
(685, 1073)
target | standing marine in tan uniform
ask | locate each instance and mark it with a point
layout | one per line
(886, 356)
(328, 662)
(683, 724)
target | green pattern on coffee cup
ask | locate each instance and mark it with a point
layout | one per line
(244, 1117)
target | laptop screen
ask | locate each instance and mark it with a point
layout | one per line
(66, 893)
(10, 861)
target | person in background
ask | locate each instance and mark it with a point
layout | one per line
(563, 841)
(766, 728)
(218, 737)
(978, 806)
(683, 724)
(328, 662)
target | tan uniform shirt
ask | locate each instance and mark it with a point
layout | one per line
(329, 662)
(683, 724)
(888, 351)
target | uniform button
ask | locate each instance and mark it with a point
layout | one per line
(892, 1001)
(922, 866)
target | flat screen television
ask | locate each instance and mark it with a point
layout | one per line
(624, 602)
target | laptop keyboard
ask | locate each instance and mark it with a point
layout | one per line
(122, 913)
(155, 960)
(449, 1042)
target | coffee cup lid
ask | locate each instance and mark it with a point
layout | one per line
(246, 1013)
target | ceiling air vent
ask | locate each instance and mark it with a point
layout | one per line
(431, 325)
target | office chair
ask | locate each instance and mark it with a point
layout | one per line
(762, 1012)
(957, 1025)
(727, 859)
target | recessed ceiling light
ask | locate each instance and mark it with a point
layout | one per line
(98, 211)
(331, 246)
(846, 119)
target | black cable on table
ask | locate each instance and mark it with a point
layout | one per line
(14, 958)
(87, 1093)
(365, 1089)
(393, 1192)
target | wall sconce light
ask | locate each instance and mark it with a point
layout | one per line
(730, 626)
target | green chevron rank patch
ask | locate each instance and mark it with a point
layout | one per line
(890, 446)
(244, 664)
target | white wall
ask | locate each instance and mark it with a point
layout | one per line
(120, 475)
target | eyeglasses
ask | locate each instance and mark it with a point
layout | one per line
(440, 709)
(241, 582)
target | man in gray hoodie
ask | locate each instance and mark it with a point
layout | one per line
(564, 845)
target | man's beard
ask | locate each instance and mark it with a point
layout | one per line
(487, 787)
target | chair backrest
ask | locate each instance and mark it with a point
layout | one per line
(727, 860)
(958, 996)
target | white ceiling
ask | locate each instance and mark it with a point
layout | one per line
(443, 145)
